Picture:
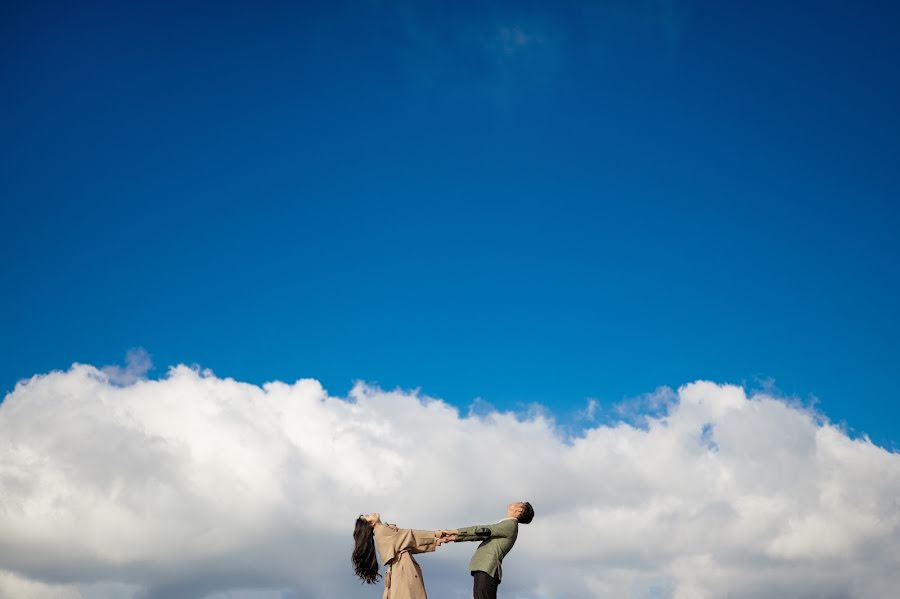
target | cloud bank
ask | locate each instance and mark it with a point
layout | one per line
(192, 486)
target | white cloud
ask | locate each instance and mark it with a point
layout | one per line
(196, 485)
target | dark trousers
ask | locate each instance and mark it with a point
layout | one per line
(485, 585)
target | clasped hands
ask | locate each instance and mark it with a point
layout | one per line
(444, 536)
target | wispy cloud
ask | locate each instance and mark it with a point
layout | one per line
(137, 364)
(511, 48)
(488, 49)
(195, 485)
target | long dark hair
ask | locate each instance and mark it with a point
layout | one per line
(364, 561)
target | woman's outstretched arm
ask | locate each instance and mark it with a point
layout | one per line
(392, 541)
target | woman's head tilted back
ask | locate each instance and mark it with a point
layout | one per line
(365, 562)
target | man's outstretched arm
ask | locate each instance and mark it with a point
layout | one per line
(481, 532)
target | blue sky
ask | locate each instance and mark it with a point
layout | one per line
(519, 203)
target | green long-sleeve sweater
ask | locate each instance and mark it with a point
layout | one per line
(490, 553)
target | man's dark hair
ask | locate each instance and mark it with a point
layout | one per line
(528, 515)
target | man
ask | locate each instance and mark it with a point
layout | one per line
(496, 541)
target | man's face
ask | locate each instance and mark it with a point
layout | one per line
(515, 509)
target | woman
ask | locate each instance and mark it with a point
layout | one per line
(403, 579)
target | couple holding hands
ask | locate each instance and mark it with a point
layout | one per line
(403, 579)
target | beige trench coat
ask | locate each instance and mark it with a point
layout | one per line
(403, 580)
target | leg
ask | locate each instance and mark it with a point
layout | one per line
(484, 586)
